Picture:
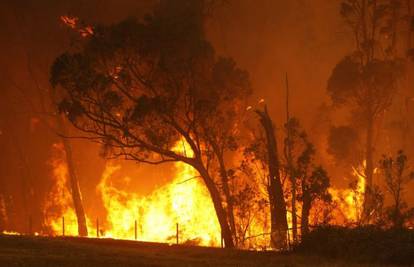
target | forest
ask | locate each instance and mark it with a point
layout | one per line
(282, 126)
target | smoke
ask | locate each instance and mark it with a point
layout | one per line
(303, 38)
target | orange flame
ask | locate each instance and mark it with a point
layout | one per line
(69, 21)
(184, 201)
(350, 201)
(59, 202)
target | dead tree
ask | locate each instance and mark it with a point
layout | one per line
(279, 225)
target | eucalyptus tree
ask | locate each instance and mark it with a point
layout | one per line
(365, 80)
(141, 87)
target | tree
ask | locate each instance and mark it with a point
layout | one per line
(279, 225)
(396, 178)
(365, 79)
(141, 88)
(289, 165)
(249, 207)
(314, 186)
(312, 180)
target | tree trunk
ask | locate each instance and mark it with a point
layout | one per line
(398, 220)
(294, 216)
(306, 206)
(227, 195)
(73, 180)
(292, 175)
(369, 173)
(279, 225)
(218, 206)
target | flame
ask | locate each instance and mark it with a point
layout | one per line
(69, 21)
(75, 24)
(58, 208)
(10, 233)
(350, 201)
(185, 201)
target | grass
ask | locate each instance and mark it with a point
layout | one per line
(79, 252)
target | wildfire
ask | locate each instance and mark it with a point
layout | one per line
(75, 24)
(184, 201)
(350, 201)
(58, 208)
(182, 205)
(10, 233)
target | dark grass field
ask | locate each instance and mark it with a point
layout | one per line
(77, 252)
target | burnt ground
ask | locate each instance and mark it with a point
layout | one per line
(78, 252)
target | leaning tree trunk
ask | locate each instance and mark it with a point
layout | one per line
(369, 173)
(73, 180)
(226, 232)
(279, 225)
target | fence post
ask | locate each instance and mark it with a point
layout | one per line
(63, 226)
(97, 227)
(135, 228)
(177, 237)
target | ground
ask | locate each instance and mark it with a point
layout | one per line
(78, 252)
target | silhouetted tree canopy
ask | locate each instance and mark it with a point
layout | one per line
(367, 88)
(134, 84)
(312, 179)
(397, 175)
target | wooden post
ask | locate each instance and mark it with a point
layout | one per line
(63, 226)
(97, 227)
(177, 234)
(135, 228)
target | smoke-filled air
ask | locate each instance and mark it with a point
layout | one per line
(216, 128)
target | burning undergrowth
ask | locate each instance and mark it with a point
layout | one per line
(183, 204)
(181, 209)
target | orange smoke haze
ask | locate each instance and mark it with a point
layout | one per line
(268, 38)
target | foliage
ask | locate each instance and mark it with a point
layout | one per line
(141, 86)
(367, 87)
(249, 208)
(312, 178)
(137, 85)
(396, 179)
